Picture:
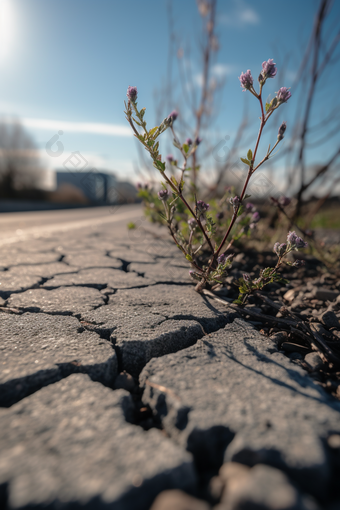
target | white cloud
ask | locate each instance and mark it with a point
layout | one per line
(198, 79)
(241, 15)
(79, 127)
(222, 70)
(217, 71)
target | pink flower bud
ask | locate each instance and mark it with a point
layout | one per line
(268, 69)
(132, 94)
(283, 94)
(246, 80)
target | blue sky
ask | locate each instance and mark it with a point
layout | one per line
(66, 65)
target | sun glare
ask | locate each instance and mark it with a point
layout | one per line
(6, 28)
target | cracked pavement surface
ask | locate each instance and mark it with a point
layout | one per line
(83, 299)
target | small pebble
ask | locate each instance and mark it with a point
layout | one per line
(279, 337)
(325, 294)
(330, 320)
(314, 361)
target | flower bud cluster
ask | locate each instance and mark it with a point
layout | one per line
(282, 201)
(280, 249)
(268, 70)
(140, 186)
(283, 94)
(192, 223)
(163, 195)
(235, 202)
(202, 207)
(255, 217)
(281, 131)
(246, 80)
(223, 258)
(132, 94)
(173, 116)
(295, 241)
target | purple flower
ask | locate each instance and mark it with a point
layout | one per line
(202, 206)
(246, 80)
(291, 237)
(192, 223)
(268, 69)
(198, 140)
(255, 217)
(283, 94)
(246, 277)
(276, 248)
(235, 201)
(163, 195)
(284, 201)
(249, 207)
(173, 116)
(220, 215)
(188, 141)
(170, 158)
(300, 243)
(222, 259)
(295, 241)
(281, 131)
(132, 94)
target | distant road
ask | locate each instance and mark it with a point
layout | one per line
(24, 225)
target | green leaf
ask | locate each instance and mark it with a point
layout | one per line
(153, 131)
(267, 106)
(131, 225)
(181, 185)
(245, 161)
(240, 210)
(159, 165)
(174, 180)
(246, 196)
(150, 142)
(188, 257)
(250, 155)
(185, 148)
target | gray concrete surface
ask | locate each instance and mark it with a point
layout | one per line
(82, 298)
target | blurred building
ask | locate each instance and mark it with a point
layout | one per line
(97, 187)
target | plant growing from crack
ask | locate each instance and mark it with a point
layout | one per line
(247, 285)
(201, 233)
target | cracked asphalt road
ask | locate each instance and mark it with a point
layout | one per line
(83, 299)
